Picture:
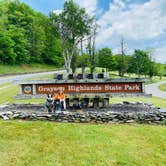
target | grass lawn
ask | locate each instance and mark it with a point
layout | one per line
(7, 94)
(42, 77)
(162, 87)
(9, 69)
(155, 80)
(54, 144)
(5, 85)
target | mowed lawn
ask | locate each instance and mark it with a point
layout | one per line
(162, 87)
(50, 144)
(14, 69)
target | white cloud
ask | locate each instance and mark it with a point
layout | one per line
(57, 12)
(135, 22)
(160, 55)
(89, 5)
(119, 3)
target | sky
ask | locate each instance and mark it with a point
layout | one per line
(141, 23)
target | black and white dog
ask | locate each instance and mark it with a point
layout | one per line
(49, 103)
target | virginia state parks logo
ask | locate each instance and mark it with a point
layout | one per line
(27, 89)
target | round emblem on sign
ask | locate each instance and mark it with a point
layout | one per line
(27, 89)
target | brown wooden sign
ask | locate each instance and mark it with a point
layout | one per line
(86, 88)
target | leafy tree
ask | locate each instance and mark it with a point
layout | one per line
(158, 69)
(20, 41)
(31, 34)
(141, 62)
(3, 13)
(106, 59)
(73, 24)
(165, 69)
(36, 41)
(7, 55)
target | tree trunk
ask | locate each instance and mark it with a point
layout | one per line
(67, 59)
(138, 72)
(83, 70)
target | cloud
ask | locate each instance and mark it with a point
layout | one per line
(133, 22)
(89, 5)
(160, 54)
(57, 12)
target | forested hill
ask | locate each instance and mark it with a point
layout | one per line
(27, 36)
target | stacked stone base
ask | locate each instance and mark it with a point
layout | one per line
(151, 117)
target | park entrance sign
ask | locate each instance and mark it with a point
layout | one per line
(83, 87)
(83, 92)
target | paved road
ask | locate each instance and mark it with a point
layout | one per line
(7, 79)
(153, 89)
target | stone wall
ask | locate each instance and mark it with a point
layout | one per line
(118, 113)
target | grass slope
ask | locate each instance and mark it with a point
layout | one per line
(162, 87)
(54, 144)
(13, 69)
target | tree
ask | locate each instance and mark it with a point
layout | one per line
(164, 69)
(106, 59)
(158, 69)
(37, 42)
(73, 24)
(20, 41)
(7, 55)
(52, 53)
(3, 13)
(91, 45)
(141, 62)
(32, 35)
(27, 22)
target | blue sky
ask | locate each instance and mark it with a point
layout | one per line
(142, 23)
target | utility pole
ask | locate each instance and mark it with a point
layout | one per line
(122, 53)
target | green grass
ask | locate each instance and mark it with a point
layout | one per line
(54, 144)
(42, 77)
(7, 96)
(9, 69)
(162, 87)
(155, 80)
(5, 85)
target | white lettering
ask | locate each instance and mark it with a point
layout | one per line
(132, 87)
(79, 88)
(50, 89)
(113, 88)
